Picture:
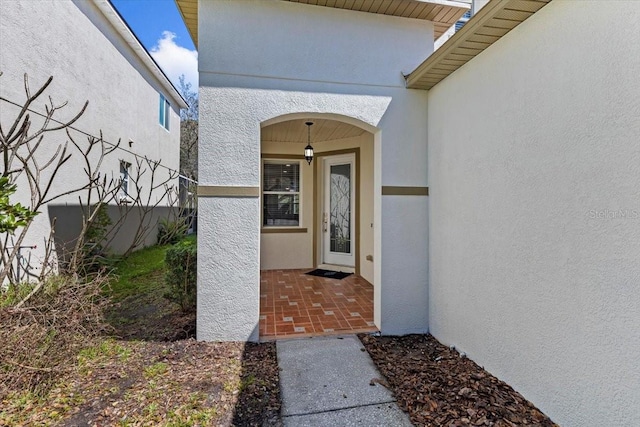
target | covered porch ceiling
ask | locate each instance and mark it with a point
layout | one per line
(322, 130)
(443, 13)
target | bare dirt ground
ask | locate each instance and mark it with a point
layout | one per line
(151, 372)
(148, 373)
(148, 316)
(437, 387)
(182, 383)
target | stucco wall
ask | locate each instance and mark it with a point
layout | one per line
(88, 59)
(290, 250)
(533, 161)
(342, 65)
(295, 250)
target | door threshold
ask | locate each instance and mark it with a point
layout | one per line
(333, 267)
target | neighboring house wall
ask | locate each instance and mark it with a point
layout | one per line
(90, 60)
(308, 62)
(295, 250)
(534, 272)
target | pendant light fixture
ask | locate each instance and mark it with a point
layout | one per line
(308, 150)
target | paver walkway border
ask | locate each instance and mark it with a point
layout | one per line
(326, 381)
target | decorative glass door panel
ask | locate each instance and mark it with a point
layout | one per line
(340, 208)
(339, 215)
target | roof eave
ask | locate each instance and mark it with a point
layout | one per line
(446, 12)
(189, 11)
(120, 25)
(500, 16)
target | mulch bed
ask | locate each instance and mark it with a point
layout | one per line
(438, 387)
(259, 402)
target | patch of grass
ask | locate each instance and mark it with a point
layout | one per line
(183, 417)
(15, 294)
(141, 272)
(107, 348)
(28, 408)
(155, 370)
(138, 272)
(232, 386)
(246, 382)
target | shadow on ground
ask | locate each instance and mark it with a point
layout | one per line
(248, 373)
(149, 316)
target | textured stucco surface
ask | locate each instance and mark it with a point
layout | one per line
(89, 60)
(534, 271)
(345, 65)
(226, 314)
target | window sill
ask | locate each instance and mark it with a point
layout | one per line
(283, 230)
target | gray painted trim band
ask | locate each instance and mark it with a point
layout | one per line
(404, 191)
(227, 191)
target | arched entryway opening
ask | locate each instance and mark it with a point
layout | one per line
(317, 216)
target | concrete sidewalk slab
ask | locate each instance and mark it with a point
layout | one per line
(326, 379)
(385, 415)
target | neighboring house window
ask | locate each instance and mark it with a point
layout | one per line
(463, 20)
(125, 172)
(281, 193)
(165, 112)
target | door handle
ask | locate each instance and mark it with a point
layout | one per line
(325, 221)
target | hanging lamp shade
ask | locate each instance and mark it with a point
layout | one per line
(308, 150)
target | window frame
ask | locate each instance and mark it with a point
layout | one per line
(125, 179)
(164, 112)
(263, 192)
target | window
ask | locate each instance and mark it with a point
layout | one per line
(165, 112)
(125, 171)
(463, 20)
(281, 194)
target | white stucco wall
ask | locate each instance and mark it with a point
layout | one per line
(534, 149)
(260, 60)
(89, 60)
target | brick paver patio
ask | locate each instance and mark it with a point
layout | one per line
(293, 303)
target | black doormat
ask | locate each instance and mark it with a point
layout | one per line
(329, 274)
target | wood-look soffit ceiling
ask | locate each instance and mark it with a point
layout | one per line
(321, 131)
(443, 13)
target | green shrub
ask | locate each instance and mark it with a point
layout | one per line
(170, 232)
(15, 215)
(94, 255)
(181, 274)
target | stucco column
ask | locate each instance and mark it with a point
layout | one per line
(228, 221)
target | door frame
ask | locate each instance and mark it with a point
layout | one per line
(345, 259)
(318, 203)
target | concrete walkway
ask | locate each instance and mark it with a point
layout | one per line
(325, 381)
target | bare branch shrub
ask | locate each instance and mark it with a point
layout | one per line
(23, 161)
(44, 324)
(40, 341)
(19, 146)
(144, 199)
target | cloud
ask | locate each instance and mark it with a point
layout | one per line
(176, 60)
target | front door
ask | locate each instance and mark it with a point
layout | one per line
(339, 210)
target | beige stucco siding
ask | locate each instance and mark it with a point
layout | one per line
(535, 211)
(295, 250)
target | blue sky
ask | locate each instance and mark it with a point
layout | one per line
(159, 26)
